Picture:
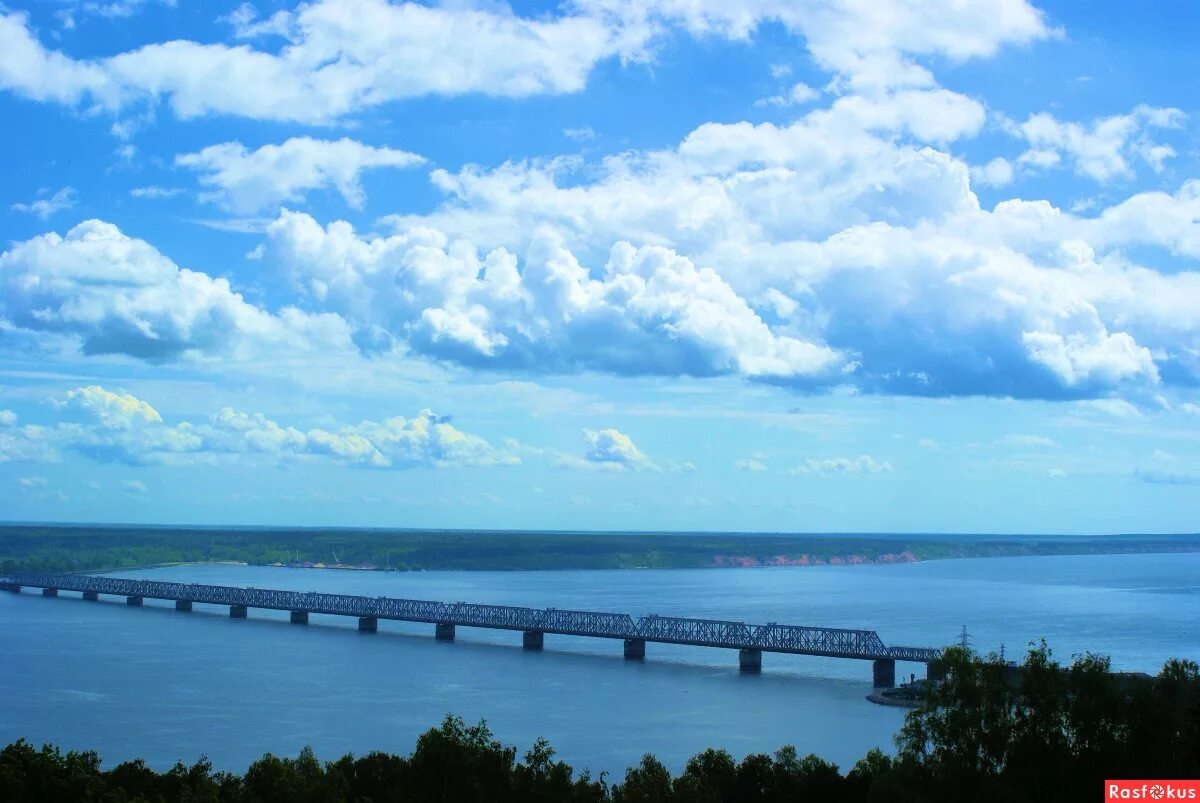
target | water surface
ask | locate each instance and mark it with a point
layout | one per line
(167, 686)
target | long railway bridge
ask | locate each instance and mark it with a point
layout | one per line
(750, 640)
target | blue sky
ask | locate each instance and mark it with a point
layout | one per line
(789, 266)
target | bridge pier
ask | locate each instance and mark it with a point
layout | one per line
(183, 604)
(12, 587)
(134, 600)
(750, 661)
(533, 639)
(299, 617)
(49, 592)
(635, 649)
(444, 632)
(91, 596)
(935, 671)
(884, 673)
(368, 624)
(237, 611)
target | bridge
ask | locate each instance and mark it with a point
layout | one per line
(750, 640)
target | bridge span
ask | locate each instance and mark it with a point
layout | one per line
(750, 640)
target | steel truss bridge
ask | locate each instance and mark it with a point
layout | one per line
(750, 639)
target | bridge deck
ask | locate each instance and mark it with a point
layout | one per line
(797, 639)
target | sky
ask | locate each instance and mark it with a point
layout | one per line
(774, 265)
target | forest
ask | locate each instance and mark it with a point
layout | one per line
(54, 548)
(1042, 731)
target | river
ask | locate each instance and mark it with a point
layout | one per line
(168, 686)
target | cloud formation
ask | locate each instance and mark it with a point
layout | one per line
(116, 427)
(44, 208)
(246, 181)
(608, 450)
(340, 57)
(115, 294)
(1101, 151)
(863, 464)
(651, 312)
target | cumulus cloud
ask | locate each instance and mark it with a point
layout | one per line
(1102, 150)
(608, 450)
(863, 464)
(7, 418)
(996, 173)
(246, 181)
(116, 294)
(117, 427)
(845, 248)
(652, 312)
(44, 208)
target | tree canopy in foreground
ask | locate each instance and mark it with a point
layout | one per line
(989, 732)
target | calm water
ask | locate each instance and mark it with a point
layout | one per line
(165, 686)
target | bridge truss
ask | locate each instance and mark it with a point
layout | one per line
(797, 639)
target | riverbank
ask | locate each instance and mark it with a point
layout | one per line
(100, 548)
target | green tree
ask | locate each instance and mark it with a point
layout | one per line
(648, 782)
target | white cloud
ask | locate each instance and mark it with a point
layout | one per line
(64, 199)
(32, 482)
(581, 134)
(8, 418)
(846, 248)
(247, 181)
(996, 173)
(872, 246)
(1103, 150)
(114, 8)
(653, 312)
(134, 487)
(608, 450)
(118, 295)
(110, 426)
(106, 409)
(342, 56)
(39, 74)
(155, 193)
(1028, 440)
(1117, 408)
(749, 464)
(863, 464)
(799, 93)
(872, 45)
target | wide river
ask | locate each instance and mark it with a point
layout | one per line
(167, 686)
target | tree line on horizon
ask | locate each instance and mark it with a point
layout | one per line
(45, 548)
(1041, 732)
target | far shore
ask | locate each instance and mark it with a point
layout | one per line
(722, 562)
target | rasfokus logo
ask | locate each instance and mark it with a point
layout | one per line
(1151, 790)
